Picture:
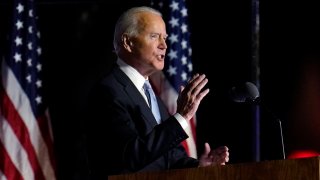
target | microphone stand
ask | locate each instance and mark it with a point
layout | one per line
(249, 93)
(257, 101)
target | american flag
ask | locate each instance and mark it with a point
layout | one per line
(178, 66)
(25, 133)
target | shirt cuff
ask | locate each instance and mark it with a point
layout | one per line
(183, 122)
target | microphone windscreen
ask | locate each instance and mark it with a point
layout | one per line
(244, 93)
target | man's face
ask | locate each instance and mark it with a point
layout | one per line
(149, 46)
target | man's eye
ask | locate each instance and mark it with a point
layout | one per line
(154, 36)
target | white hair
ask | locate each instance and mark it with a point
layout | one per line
(128, 23)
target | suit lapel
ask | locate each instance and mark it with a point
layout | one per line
(135, 96)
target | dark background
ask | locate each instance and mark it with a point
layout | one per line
(77, 47)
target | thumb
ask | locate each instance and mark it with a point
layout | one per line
(207, 148)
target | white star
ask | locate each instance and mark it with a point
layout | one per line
(39, 83)
(184, 76)
(28, 78)
(173, 38)
(30, 13)
(29, 62)
(20, 8)
(184, 44)
(39, 100)
(189, 51)
(19, 24)
(184, 12)
(18, 41)
(184, 60)
(174, 6)
(30, 46)
(172, 54)
(172, 70)
(184, 28)
(39, 51)
(30, 29)
(174, 22)
(190, 67)
(39, 67)
(38, 34)
(17, 57)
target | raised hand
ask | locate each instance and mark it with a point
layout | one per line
(191, 95)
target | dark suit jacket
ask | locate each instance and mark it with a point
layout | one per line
(123, 135)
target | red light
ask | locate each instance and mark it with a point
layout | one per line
(303, 154)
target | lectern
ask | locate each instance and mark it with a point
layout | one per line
(289, 169)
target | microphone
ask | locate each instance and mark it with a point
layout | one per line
(249, 93)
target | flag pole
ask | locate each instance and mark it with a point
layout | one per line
(255, 66)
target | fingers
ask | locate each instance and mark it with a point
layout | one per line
(220, 155)
(221, 149)
(196, 83)
(194, 88)
(193, 78)
(202, 94)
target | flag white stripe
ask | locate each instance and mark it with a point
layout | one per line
(22, 104)
(15, 150)
(2, 177)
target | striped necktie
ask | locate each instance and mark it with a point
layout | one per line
(152, 100)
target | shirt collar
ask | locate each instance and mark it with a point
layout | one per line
(137, 79)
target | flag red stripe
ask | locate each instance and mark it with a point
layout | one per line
(7, 166)
(186, 146)
(21, 131)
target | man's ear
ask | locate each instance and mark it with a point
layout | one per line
(127, 42)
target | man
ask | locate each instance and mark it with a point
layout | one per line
(122, 114)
